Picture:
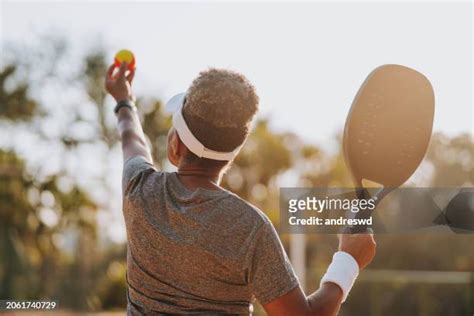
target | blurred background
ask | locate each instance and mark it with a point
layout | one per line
(62, 234)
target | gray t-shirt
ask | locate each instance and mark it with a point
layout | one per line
(197, 252)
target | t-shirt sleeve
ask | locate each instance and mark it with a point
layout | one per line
(271, 273)
(132, 168)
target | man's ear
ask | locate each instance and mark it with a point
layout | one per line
(174, 147)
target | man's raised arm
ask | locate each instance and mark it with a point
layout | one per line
(129, 127)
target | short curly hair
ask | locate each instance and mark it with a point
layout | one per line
(220, 106)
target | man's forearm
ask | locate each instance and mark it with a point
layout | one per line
(326, 301)
(131, 134)
(128, 121)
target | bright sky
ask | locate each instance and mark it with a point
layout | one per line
(307, 60)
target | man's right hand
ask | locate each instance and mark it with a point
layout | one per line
(120, 85)
(359, 246)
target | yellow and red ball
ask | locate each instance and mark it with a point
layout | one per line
(127, 56)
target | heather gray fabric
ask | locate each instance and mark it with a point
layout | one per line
(197, 252)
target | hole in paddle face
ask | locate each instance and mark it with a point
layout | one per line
(366, 183)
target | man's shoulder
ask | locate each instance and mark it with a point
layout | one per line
(133, 168)
(245, 209)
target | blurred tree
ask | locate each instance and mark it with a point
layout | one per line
(37, 216)
(34, 216)
(262, 159)
(15, 103)
(452, 160)
(14, 207)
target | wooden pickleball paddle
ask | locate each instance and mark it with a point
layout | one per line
(387, 130)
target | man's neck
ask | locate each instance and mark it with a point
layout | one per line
(194, 178)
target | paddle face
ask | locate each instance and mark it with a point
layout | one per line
(389, 126)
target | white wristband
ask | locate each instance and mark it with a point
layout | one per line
(342, 271)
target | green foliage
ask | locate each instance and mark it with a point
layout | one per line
(33, 217)
(15, 104)
(452, 160)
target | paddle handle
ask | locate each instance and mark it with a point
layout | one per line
(363, 194)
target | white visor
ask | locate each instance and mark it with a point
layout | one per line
(175, 106)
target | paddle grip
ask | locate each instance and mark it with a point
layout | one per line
(363, 194)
